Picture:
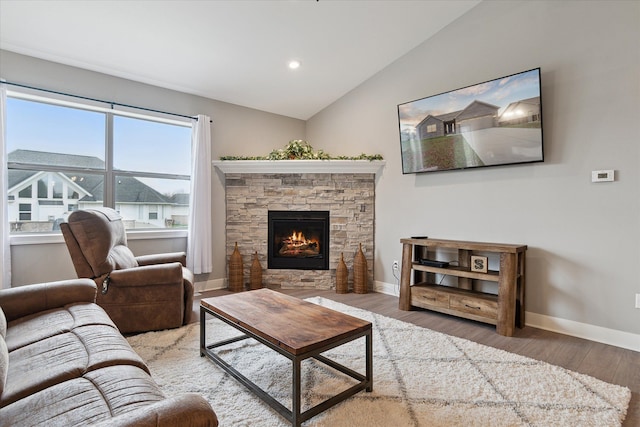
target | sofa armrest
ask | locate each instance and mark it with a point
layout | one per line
(148, 275)
(180, 257)
(188, 410)
(24, 300)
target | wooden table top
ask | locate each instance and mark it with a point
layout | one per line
(294, 325)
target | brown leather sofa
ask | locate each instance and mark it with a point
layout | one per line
(143, 293)
(64, 363)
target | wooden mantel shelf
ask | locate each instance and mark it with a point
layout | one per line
(299, 166)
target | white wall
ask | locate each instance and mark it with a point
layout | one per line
(235, 130)
(583, 262)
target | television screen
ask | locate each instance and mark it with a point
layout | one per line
(498, 122)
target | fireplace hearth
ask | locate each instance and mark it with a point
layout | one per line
(298, 240)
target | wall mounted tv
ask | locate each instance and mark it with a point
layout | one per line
(498, 122)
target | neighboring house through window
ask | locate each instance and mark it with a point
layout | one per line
(64, 157)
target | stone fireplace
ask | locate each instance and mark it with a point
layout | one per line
(347, 196)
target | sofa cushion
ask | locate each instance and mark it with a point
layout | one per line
(126, 388)
(29, 329)
(64, 357)
(42, 364)
(99, 395)
(89, 314)
(106, 347)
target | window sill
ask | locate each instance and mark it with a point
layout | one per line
(53, 238)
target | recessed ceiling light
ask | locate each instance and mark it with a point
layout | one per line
(294, 64)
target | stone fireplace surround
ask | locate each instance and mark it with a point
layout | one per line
(344, 188)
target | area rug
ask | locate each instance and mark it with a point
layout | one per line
(421, 378)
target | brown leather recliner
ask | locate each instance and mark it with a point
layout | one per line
(144, 293)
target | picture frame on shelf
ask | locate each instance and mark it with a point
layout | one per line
(479, 264)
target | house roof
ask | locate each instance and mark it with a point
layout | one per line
(128, 189)
(55, 159)
(180, 199)
(530, 101)
(441, 117)
(477, 109)
(18, 176)
(533, 101)
(448, 116)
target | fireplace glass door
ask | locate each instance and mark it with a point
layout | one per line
(298, 240)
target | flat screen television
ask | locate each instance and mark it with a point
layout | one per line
(498, 122)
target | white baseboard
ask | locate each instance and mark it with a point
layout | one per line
(386, 288)
(583, 330)
(210, 285)
(555, 324)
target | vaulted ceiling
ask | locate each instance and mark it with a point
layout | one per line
(232, 51)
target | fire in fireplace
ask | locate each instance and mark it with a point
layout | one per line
(298, 240)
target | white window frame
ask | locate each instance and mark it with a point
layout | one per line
(109, 174)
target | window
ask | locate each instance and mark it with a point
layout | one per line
(43, 189)
(56, 186)
(431, 128)
(153, 212)
(25, 193)
(24, 212)
(63, 157)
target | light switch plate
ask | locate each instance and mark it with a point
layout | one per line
(602, 175)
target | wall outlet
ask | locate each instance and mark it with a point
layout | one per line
(637, 300)
(396, 267)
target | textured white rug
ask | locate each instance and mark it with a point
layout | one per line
(420, 378)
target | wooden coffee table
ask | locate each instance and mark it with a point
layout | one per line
(294, 328)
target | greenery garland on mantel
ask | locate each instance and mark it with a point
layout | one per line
(299, 149)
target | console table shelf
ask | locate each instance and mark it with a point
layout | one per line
(505, 309)
(491, 275)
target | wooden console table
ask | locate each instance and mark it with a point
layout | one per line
(505, 310)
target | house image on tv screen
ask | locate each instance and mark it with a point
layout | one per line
(39, 200)
(475, 116)
(479, 115)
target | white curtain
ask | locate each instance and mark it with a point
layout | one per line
(5, 250)
(199, 257)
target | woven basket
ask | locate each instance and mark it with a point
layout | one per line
(342, 277)
(236, 273)
(255, 280)
(360, 285)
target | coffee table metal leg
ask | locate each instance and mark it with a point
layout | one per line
(295, 398)
(202, 333)
(369, 360)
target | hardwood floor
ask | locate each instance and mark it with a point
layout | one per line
(607, 363)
